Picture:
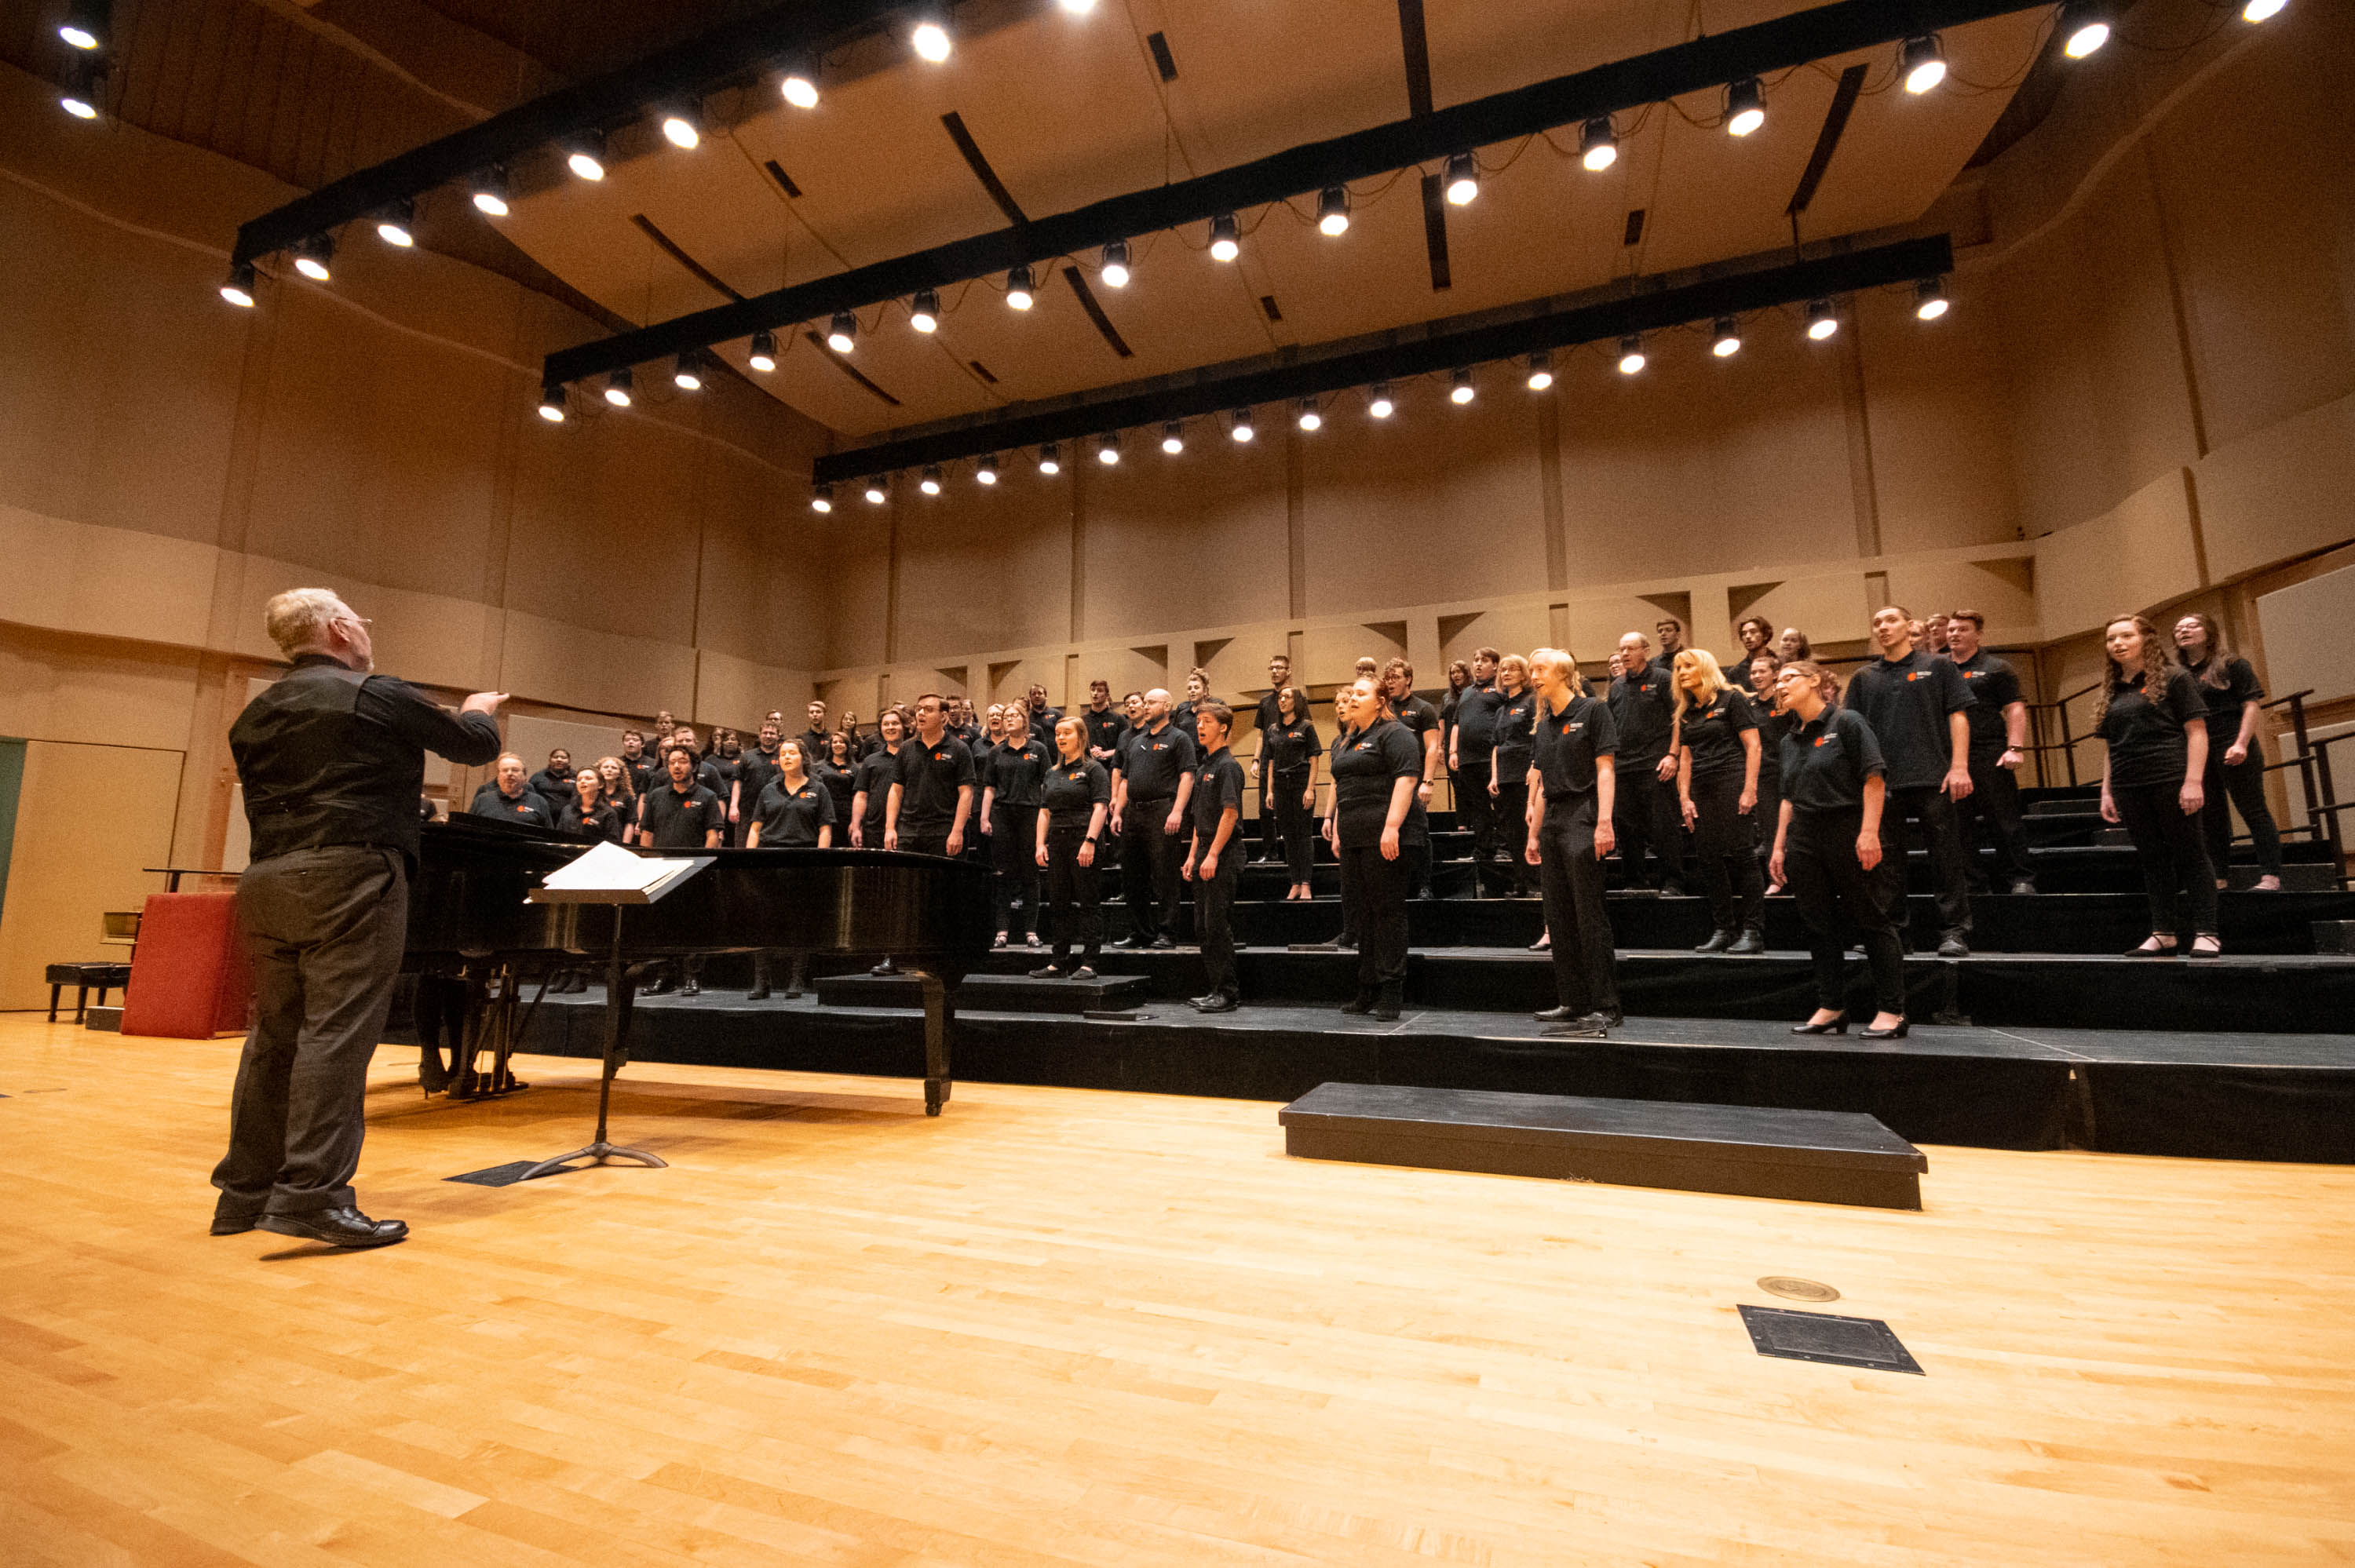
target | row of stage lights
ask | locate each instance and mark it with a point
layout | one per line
(1930, 302)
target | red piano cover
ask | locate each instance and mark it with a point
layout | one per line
(189, 978)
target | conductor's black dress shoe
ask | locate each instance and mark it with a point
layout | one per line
(336, 1228)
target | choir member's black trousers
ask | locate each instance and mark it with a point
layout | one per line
(1373, 904)
(1149, 859)
(1074, 892)
(1014, 858)
(1827, 880)
(1295, 825)
(1570, 878)
(1994, 804)
(2173, 853)
(1511, 809)
(1644, 814)
(1724, 844)
(324, 928)
(2242, 785)
(1270, 813)
(1478, 810)
(1214, 926)
(1942, 834)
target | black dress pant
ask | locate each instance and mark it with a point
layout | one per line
(1829, 881)
(324, 928)
(1512, 814)
(1646, 814)
(926, 842)
(2173, 854)
(1477, 809)
(2245, 784)
(1942, 833)
(1014, 865)
(1149, 859)
(1295, 826)
(1074, 892)
(1725, 845)
(1271, 814)
(1214, 907)
(1374, 891)
(1994, 803)
(1586, 977)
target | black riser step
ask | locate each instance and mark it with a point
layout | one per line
(1825, 1157)
(998, 992)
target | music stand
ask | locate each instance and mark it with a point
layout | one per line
(617, 994)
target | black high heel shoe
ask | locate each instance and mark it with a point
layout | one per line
(1895, 1034)
(1828, 1026)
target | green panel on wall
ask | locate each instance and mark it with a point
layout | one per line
(11, 780)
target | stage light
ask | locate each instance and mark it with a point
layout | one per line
(585, 154)
(551, 404)
(1822, 319)
(86, 91)
(1225, 241)
(1924, 61)
(490, 191)
(1725, 341)
(1173, 438)
(1745, 107)
(1051, 460)
(1333, 211)
(1929, 299)
(85, 25)
(1078, 8)
(799, 86)
(930, 483)
(821, 498)
(311, 257)
(1017, 288)
(397, 226)
(985, 471)
(2254, 11)
(842, 334)
(763, 357)
(924, 311)
(1461, 390)
(1114, 270)
(239, 289)
(1463, 179)
(617, 386)
(1598, 143)
(2084, 28)
(681, 127)
(1380, 405)
(687, 375)
(1309, 418)
(1631, 353)
(1242, 427)
(877, 493)
(1541, 370)
(1108, 448)
(931, 37)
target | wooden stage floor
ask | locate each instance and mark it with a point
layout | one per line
(1079, 1327)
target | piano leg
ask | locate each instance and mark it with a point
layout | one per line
(940, 1017)
(619, 988)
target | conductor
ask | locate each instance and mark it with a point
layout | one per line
(331, 760)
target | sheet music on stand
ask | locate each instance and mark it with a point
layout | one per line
(608, 874)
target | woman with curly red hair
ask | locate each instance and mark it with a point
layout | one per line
(2150, 713)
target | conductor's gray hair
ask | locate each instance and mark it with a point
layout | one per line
(297, 619)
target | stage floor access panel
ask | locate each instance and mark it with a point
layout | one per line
(1822, 1156)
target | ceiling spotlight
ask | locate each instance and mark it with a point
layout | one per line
(1309, 418)
(397, 226)
(1333, 211)
(1173, 438)
(2254, 11)
(1541, 370)
(763, 357)
(1929, 299)
(680, 130)
(1725, 341)
(1822, 319)
(1380, 405)
(842, 334)
(617, 386)
(877, 493)
(1463, 179)
(1225, 243)
(585, 154)
(1050, 459)
(312, 255)
(1115, 272)
(925, 311)
(1924, 61)
(85, 23)
(1078, 8)
(821, 498)
(930, 483)
(1745, 107)
(490, 191)
(88, 89)
(1108, 448)
(985, 471)
(800, 85)
(1598, 144)
(931, 37)
(687, 375)
(551, 404)
(1631, 353)
(2084, 28)
(239, 289)
(1460, 388)
(1240, 426)
(1017, 288)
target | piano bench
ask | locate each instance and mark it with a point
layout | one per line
(85, 978)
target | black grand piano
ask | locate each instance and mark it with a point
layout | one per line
(469, 923)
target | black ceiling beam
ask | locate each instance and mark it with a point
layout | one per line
(1734, 294)
(684, 70)
(1787, 41)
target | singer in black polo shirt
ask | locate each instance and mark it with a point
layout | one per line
(931, 799)
(1214, 865)
(681, 813)
(1421, 720)
(1105, 724)
(1998, 723)
(871, 796)
(1470, 751)
(1917, 705)
(1148, 811)
(1011, 778)
(2155, 723)
(1074, 802)
(508, 797)
(1271, 833)
(1376, 767)
(1571, 781)
(1508, 774)
(1645, 813)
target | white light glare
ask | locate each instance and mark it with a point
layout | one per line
(930, 40)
